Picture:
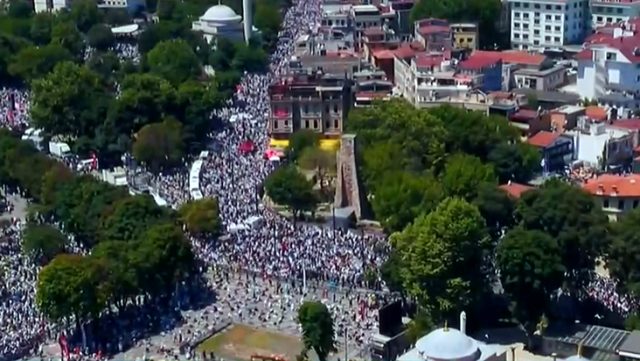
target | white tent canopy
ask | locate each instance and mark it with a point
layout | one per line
(130, 29)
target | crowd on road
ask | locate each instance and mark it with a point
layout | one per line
(604, 290)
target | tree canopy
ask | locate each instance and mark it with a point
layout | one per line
(622, 254)
(530, 269)
(160, 145)
(173, 60)
(42, 242)
(317, 328)
(201, 217)
(288, 187)
(442, 255)
(570, 216)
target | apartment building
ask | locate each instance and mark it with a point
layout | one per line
(465, 35)
(539, 24)
(434, 34)
(429, 80)
(605, 12)
(609, 69)
(311, 100)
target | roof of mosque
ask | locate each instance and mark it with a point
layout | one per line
(446, 344)
(220, 13)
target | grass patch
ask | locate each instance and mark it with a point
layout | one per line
(239, 342)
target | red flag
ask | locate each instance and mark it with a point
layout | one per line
(10, 117)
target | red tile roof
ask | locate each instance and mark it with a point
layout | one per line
(524, 115)
(596, 113)
(372, 94)
(632, 124)
(433, 29)
(543, 139)
(614, 185)
(428, 60)
(479, 61)
(515, 189)
(373, 31)
(625, 44)
(514, 57)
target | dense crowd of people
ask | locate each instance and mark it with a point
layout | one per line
(604, 290)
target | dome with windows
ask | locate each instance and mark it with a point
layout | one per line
(220, 14)
(445, 344)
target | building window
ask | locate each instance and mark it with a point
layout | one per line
(306, 123)
(621, 204)
(516, 25)
(536, 32)
(327, 124)
(619, 10)
(557, 28)
(275, 124)
(556, 39)
(516, 35)
(315, 123)
(612, 56)
(547, 17)
(548, 7)
(635, 203)
(605, 203)
(609, 20)
(536, 6)
(335, 108)
(547, 27)
(558, 7)
(547, 38)
(306, 108)
(599, 19)
(558, 18)
(335, 124)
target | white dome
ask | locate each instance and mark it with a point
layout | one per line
(220, 13)
(576, 358)
(447, 344)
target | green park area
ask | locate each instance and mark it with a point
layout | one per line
(240, 342)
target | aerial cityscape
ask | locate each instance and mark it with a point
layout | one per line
(331, 180)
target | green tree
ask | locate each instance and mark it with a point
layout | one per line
(195, 100)
(9, 46)
(42, 242)
(223, 55)
(402, 196)
(160, 145)
(515, 162)
(66, 34)
(166, 9)
(100, 37)
(248, 58)
(621, 253)
(463, 174)
(70, 285)
(474, 133)
(531, 269)
(105, 64)
(322, 163)
(442, 255)
(417, 135)
(85, 14)
(317, 328)
(174, 60)
(41, 27)
(121, 280)
(301, 140)
(19, 9)
(164, 257)
(268, 20)
(570, 216)
(497, 208)
(53, 181)
(201, 217)
(288, 187)
(130, 218)
(144, 99)
(36, 62)
(69, 101)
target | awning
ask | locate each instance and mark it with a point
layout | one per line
(278, 143)
(325, 144)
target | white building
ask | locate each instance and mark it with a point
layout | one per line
(50, 5)
(613, 11)
(539, 24)
(220, 21)
(609, 69)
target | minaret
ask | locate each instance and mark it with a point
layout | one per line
(247, 20)
(463, 322)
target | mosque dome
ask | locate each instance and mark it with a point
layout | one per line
(447, 344)
(220, 13)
